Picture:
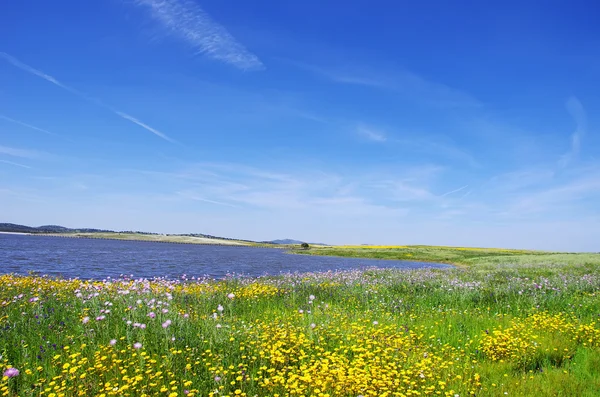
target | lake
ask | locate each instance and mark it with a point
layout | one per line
(97, 259)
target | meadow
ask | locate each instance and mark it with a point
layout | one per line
(509, 323)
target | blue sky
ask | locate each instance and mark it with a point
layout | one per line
(472, 123)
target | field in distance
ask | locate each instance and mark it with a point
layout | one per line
(481, 258)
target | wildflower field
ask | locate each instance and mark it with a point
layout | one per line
(510, 329)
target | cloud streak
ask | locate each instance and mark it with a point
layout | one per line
(371, 134)
(185, 20)
(22, 153)
(454, 191)
(577, 112)
(403, 82)
(15, 164)
(15, 62)
(143, 125)
(194, 197)
(2, 117)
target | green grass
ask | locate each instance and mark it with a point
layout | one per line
(484, 259)
(504, 323)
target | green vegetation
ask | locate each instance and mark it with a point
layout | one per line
(480, 258)
(510, 323)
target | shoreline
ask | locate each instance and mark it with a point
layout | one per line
(184, 240)
(18, 233)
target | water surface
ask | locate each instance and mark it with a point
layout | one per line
(97, 259)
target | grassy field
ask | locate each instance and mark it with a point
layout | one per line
(474, 258)
(505, 323)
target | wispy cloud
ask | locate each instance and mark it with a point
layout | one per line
(440, 147)
(186, 20)
(2, 117)
(15, 62)
(193, 196)
(143, 125)
(576, 110)
(561, 196)
(15, 164)
(519, 180)
(454, 191)
(22, 153)
(371, 133)
(400, 81)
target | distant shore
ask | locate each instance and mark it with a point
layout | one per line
(15, 233)
(156, 238)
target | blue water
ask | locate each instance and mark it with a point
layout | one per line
(97, 259)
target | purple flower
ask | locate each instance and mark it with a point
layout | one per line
(231, 296)
(220, 308)
(11, 372)
(151, 315)
(137, 345)
(85, 320)
(113, 342)
(166, 323)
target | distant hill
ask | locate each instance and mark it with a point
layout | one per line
(56, 229)
(289, 241)
(285, 241)
(14, 228)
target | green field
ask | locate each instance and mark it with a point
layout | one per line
(474, 258)
(517, 323)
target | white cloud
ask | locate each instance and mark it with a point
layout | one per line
(454, 191)
(399, 81)
(576, 110)
(15, 62)
(15, 164)
(143, 125)
(371, 133)
(26, 125)
(23, 153)
(558, 196)
(186, 20)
